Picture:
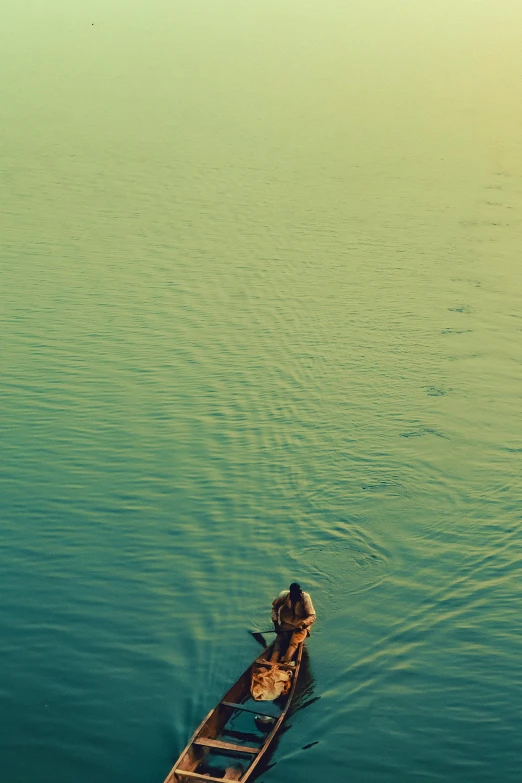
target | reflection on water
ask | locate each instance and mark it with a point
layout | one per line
(303, 697)
(304, 691)
(261, 322)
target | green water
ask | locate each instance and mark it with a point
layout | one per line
(261, 321)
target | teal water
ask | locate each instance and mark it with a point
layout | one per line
(261, 321)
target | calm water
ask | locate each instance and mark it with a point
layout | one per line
(261, 321)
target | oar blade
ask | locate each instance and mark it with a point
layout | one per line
(258, 636)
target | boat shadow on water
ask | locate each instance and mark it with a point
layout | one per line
(238, 738)
(303, 697)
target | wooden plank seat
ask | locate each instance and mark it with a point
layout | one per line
(289, 666)
(183, 773)
(248, 709)
(228, 746)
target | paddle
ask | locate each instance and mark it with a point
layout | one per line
(258, 636)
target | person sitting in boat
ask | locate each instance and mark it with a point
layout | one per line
(292, 614)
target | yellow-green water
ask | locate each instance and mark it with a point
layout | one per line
(260, 316)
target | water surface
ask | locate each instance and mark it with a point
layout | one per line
(261, 321)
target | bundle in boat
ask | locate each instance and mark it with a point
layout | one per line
(270, 684)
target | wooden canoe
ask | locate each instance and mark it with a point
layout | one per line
(230, 743)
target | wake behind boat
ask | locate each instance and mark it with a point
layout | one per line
(231, 741)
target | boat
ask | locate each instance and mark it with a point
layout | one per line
(235, 736)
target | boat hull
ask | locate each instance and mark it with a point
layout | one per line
(230, 743)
